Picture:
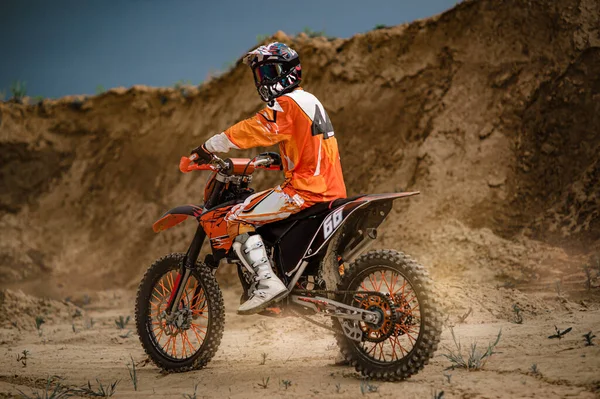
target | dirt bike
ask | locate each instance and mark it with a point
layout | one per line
(381, 303)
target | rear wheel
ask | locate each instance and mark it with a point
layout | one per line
(409, 330)
(190, 338)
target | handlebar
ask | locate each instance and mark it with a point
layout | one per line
(187, 164)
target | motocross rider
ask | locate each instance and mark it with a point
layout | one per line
(297, 121)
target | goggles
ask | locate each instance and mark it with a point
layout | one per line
(267, 72)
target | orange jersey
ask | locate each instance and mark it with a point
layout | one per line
(297, 122)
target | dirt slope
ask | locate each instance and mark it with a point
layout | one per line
(490, 109)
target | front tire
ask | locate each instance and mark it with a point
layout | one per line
(192, 343)
(402, 345)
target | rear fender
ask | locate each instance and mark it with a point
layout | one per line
(175, 216)
(363, 212)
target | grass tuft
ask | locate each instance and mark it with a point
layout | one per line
(518, 317)
(559, 334)
(264, 358)
(588, 339)
(463, 318)
(39, 320)
(261, 38)
(475, 359)
(286, 384)
(193, 395)
(18, 89)
(121, 322)
(102, 391)
(367, 387)
(133, 373)
(265, 383)
(59, 392)
(23, 357)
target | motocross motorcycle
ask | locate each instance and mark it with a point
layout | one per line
(379, 304)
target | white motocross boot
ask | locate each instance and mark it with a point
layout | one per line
(268, 288)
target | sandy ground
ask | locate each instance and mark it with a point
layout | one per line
(298, 352)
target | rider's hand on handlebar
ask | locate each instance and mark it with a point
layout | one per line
(275, 157)
(202, 155)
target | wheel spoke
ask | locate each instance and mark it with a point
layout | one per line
(385, 281)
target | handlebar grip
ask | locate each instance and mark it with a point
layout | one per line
(186, 164)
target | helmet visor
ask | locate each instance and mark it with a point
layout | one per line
(267, 72)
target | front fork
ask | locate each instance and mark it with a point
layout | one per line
(185, 271)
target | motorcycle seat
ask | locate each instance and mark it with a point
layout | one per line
(322, 208)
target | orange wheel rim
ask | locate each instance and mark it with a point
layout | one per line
(405, 332)
(178, 343)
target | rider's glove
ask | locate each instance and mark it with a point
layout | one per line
(275, 157)
(203, 155)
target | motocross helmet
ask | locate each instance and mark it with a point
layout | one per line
(276, 68)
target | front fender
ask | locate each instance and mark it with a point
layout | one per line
(175, 216)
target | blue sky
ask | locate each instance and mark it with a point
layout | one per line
(65, 47)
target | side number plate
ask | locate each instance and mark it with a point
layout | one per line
(332, 222)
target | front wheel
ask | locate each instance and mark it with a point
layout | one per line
(408, 332)
(190, 338)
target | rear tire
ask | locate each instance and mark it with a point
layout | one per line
(424, 304)
(145, 306)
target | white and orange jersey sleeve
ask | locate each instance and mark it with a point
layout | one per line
(268, 127)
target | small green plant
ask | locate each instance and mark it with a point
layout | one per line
(367, 387)
(193, 395)
(557, 286)
(534, 369)
(517, 318)
(181, 83)
(133, 373)
(559, 334)
(588, 338)
(313, 33)
(261, 38)
(264, 358)
(23, 357)
(88, 324)
(59, 392)
(265, 383)
(286, 384)
(102, 391)
(380, 26)
(125, 334)
(73, 327)
(39, 320)
(338, 386)
(18, 90)
(38, 99)
(121, 322)
(100, 89)
(438, 395)
(475, 360)
(448, 377)
(461, 319)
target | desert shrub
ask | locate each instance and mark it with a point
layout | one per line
(58, 392)
(101, 391)
(18, 90)
(475, 359)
